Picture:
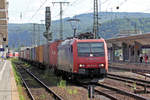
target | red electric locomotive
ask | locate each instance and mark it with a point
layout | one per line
(83, 59)
(86, 59)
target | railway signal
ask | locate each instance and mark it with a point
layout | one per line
(47, 34)
(47, 18)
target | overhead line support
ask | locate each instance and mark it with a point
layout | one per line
(61, 12)
(95, 19)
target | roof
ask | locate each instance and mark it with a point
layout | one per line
(143, 39)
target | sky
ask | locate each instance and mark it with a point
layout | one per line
(30, 12)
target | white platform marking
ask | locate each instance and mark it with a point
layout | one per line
(1, 73)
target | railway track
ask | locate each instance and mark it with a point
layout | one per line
(145, 86)
(98, 92)
(130, 69)
(143, 74)
(144, 82)
(138, 86)
(123, 92)
(114, 93)
(109, 92)
(45, 92)
(109, 96)
(27, 88)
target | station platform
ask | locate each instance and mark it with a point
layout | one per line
(8, 88)
(129, 66)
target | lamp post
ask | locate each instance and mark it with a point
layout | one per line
(74, 23)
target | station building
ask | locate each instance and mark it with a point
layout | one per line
(3, 22)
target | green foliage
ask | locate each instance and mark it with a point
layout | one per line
(21, 97)
(18, 79)
(72, 91)
(16, 74)
(134, 86)
(110, 26)
(43, 97)
(62, 84)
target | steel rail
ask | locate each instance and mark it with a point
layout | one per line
(27, 88)
(130, 69)
(104, 94)
(129, 78)
(142, 74)
(123, 92)
(57, 97)
(107, 95)
(128, 81)
(84, 85)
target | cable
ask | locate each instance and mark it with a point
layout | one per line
(65, 8)
(76, 2)
(73, 3)
(38, 9)
(105, 1)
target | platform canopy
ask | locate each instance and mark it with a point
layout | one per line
(143, 39)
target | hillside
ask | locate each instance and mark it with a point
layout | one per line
(111, 24)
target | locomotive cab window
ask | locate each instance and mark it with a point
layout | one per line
(96, 49)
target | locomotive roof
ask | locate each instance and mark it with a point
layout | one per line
(90, 40)
(70, 41)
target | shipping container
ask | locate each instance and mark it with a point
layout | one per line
(28, 54)
(33, 54)
(22, 54)
(41, 54)
(46, 54)
(53, 53)
(37, 53)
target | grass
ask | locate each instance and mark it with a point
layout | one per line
(45, 75)
(43, 97)
(72, 91)
(62, 84)
(17, 79)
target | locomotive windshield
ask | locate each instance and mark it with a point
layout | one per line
(95, 49)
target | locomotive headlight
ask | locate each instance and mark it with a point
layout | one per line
(101, 65)
(81, 65)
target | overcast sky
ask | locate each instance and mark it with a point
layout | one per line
(29, 7)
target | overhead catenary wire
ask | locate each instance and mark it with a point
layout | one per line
(89, 10)
(38, 10)
(66, 8)
(57, 14)
(76, 2)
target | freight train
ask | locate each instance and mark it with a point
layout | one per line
(12, 55)
(84, 59)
